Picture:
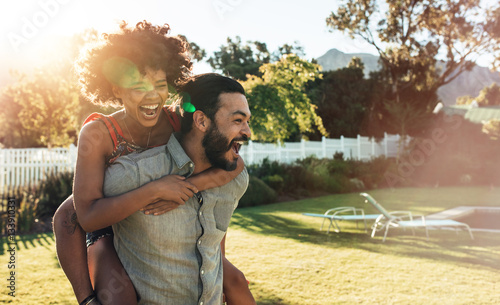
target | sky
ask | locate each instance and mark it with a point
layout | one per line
(28, 27)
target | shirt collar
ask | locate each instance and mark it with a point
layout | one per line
(178, 154)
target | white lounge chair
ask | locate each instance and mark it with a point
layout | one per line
(343, 213)
(396, 220)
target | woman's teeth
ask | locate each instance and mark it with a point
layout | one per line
(149, 110)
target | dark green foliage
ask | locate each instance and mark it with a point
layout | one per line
(343, 97)
(311, 175)
(26, 214)
(33, 203)
(237, 60)
(266, 168)
(258, 193)
(7, 193)
(53, 191)
(276, 182)
(338, 155)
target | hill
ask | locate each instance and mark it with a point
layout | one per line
(468, 83)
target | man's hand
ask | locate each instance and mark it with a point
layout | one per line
(160, 207)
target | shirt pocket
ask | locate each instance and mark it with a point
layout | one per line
(223, 211)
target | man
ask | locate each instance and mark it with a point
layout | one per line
(176, 258)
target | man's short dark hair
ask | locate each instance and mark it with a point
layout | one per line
(203, 92)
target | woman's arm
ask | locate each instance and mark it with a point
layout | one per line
(95, 212)
(215, 177)
(212, 177)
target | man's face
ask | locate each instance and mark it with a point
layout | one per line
(228, 131)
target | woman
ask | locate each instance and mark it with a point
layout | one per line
(132, 69)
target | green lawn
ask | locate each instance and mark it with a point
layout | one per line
(289, 261)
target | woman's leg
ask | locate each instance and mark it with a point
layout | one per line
(111, 283)
(110, 280)
(71, 249)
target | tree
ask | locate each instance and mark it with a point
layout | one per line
(279, 105)
(489, 96)
(40, 111)
(410, 38)
(237, 60)
(343, 99)
(286, 49)
(493, 27)
(44, 109)
(492, 129)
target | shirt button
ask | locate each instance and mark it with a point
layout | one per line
(201, 303)
(201, 213)
(199, 242)
(202, 272)
(191, 165)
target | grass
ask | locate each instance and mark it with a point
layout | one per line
(289, 261)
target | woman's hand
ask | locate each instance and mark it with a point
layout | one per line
(174, 188)
(159, 207)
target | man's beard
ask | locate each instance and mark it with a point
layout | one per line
(216, 146)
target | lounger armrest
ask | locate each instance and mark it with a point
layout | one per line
(341, 210)
(402, 214)
(359, 212)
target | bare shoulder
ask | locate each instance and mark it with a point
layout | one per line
(94, 137)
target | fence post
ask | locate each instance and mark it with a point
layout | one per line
(359, 147)
(250, 152)
(279, 151)
(342, 146)
(303, 148)
(373, 147)
(72, 156)
(385, 145)
(323, 146)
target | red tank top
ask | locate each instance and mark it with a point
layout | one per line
(121, 146)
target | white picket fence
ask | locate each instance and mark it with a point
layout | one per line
(19, 167)
(360, 148)
(27, 166)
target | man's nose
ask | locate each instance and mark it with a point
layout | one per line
(246, 131)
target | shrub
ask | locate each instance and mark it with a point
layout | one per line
(258, 193)
(338, 155)
(357, 184)
(266, 168)
(53, 191)
(294, 177)
(9, 192)
(36, 202)
(340, 167)
(276, 182)
(26, 214)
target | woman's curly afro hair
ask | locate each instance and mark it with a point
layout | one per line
(144, 46)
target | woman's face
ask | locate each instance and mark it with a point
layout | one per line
(144, 96)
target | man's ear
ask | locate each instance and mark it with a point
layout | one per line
(201, 121)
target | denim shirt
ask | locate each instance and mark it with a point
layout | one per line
(174, 258)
